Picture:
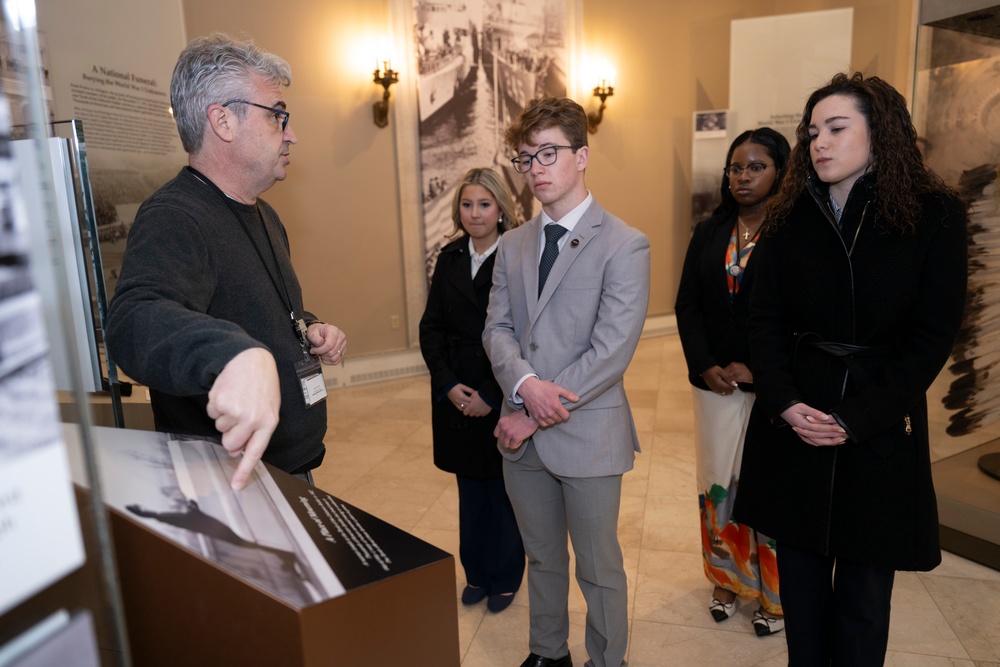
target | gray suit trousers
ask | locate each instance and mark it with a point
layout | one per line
(547, 507)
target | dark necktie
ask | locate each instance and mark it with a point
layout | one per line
(553, 232)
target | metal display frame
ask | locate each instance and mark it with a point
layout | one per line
(72, 130)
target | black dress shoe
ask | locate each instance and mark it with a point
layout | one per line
(535, 660)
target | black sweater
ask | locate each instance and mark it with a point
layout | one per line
(193, 293)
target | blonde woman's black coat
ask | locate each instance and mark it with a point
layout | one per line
(899, 300)
(451, 332)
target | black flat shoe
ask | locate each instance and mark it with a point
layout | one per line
(535, 660)
(473, 594)
(498, 603)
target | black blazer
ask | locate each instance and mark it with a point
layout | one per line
(451, 332)
(713, 327)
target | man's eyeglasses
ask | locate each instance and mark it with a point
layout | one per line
(546, 157)
(754, 169)
(279, 114)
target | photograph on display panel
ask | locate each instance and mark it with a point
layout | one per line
(179, 487)
(479, 62)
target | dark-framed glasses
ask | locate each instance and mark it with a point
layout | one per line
(754, 169)
(279, 114)
(546, 157)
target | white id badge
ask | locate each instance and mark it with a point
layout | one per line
(310, 375)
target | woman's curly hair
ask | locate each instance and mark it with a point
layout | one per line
(895, 157)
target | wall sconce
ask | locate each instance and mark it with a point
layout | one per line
(604, 89)
(385, 76)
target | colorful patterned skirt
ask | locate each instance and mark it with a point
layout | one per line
(736, 557)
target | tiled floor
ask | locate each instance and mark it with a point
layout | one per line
(380, 460)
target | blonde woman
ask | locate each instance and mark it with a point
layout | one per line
(466, 397)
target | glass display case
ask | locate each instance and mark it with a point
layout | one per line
(59, 599)
(956, 111)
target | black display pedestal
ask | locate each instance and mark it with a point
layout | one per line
(394, 603)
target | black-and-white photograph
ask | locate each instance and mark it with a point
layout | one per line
(709, 124)
(179, 486)
(27, 404)
(708, 150)
(40, 538)
(14, 55)
(480, 61)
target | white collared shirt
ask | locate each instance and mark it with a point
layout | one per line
(477, 260)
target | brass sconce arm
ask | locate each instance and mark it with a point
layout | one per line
(380, 108)
(594, 118)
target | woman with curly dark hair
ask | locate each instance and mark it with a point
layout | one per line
(858, 297)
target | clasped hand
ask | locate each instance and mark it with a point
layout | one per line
(543, 408)
(467, 401)
(815, 427)
(724, 380)
(542, 400)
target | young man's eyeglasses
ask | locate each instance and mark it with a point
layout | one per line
(546, 157)
(279, 114)
(754, 169)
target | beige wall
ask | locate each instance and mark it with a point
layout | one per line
(341, 201)
(673, 58)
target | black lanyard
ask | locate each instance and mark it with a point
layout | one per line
(298, 324)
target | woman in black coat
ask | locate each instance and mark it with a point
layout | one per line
(858, 298)
(712, 310)
(466, 398)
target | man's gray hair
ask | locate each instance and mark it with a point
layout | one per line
(214, 69)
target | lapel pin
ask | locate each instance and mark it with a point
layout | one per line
(574, 243)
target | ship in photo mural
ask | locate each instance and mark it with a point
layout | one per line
(479, 62)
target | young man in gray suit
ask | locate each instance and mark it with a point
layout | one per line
(570, 290)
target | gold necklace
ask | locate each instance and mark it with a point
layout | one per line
(746, 230)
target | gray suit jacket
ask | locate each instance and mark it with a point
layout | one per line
(580, 333)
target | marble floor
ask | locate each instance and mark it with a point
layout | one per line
(380, 460)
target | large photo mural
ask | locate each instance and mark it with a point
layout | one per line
(479, 62)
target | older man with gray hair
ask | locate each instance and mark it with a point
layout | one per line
(208, 310)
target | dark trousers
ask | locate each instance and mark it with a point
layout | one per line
(836, 611)
(489, 544)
